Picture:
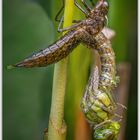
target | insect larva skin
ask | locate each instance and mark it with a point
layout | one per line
(60, 49)
(55, 52)
(107, 58)
(92, 25)
(97, 99)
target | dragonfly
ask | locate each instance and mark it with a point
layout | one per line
(81, 32)
(98, 104)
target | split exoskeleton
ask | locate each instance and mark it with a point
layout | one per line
(97, 104)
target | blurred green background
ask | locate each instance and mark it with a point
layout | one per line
(28, 25)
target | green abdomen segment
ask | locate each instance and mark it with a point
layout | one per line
(98, 105)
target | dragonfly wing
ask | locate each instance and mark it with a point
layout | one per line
(109, 33)
(94, 79)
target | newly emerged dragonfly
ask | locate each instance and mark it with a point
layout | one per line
(81, 32)
(98, 104)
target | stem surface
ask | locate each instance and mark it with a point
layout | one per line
(57, 126)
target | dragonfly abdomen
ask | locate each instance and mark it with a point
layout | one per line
(55, 52)
(98, 104)
(107, 58)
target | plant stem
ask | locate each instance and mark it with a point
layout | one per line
(57, 126)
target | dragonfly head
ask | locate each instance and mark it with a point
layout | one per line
(107, 131)
(101, 8)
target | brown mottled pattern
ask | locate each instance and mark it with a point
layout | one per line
(55, 52)
(88, 32)
(93, 24)
(107, 57)
(104, 79)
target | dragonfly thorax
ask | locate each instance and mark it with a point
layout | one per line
(101, 9)
(94, 26)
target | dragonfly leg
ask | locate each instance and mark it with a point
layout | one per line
(86, 6)
(93, 4)
(102, 123)
(119, 116)
(74, 21)
(121, 105)
(67, 28)
(59, 26)
(76, 3)
(59, 12)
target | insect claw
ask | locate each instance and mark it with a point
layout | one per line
(119, 116)
(106, 20)
(119, 104)
(10, 67)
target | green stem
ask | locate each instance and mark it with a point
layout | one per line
(57, 127)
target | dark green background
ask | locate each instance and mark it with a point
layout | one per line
(28, 25)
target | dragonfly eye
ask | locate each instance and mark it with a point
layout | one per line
(105, 4)
(102, 7)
